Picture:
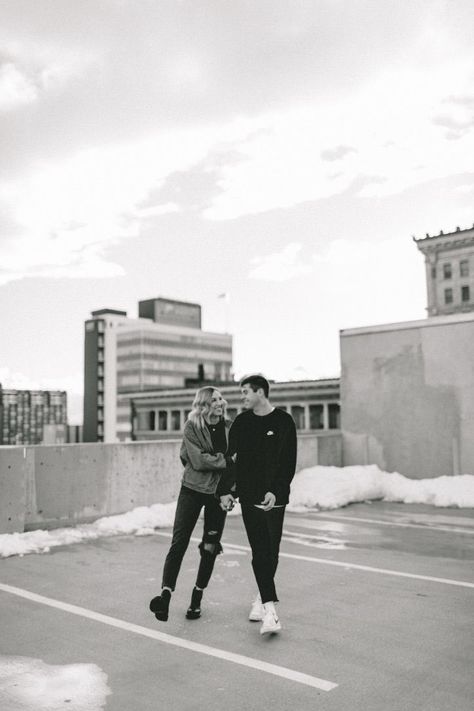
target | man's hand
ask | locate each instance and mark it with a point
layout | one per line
(269, 501)
(227, 502)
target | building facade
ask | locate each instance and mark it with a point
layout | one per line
(407, 396)
(313, 404)
(160, 349)
(449, 261)
(32, 416)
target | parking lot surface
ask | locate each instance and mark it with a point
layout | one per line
(376, 603)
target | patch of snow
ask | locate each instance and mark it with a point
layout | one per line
(140, 521)
(32, 685)
(333, 487)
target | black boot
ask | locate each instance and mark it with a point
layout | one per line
(160, 604)
(194, 609)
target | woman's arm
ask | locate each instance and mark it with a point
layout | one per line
(199, 459)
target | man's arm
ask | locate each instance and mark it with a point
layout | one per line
(286, 460)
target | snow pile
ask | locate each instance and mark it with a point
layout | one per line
(32, 684)
(140, 521)
(332, 487)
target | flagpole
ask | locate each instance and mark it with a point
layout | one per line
(226, 298)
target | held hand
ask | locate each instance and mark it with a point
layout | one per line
(227, 502)
(269, 501)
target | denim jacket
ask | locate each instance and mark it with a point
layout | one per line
(202, 468)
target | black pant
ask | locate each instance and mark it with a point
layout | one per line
(264, 530)
(188, 508)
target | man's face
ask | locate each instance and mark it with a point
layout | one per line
(250, 399)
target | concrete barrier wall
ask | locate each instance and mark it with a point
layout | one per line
(49, 486)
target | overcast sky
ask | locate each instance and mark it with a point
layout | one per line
(283, 152)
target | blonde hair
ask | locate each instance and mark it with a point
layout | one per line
(201, 404)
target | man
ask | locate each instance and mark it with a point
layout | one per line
(263, 438)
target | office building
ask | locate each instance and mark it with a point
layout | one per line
(314, 405)
(160, 349)
(449, 261)
(32, 416)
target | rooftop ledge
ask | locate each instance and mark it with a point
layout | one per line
(430, 322)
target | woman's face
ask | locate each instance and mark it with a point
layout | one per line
(216, 406)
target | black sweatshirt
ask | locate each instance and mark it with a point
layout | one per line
(266, 455)
(218, 436)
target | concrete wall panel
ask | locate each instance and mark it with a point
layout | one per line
(142, 474)
(330, 450)
(13, 474)
(409, 391)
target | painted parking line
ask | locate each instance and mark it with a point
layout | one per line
(379, 522)
(353, 566)
(250, 662)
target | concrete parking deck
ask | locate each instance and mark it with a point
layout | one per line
(376, 606)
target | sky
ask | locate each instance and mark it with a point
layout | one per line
(281, 152)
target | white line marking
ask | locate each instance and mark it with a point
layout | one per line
(354, 566)
(250, 662)
(424, 527)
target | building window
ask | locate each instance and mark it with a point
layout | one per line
(297, 413)
(464, 268)
(146, 420)
(465, 295)
(162, 420)
(334, 412)
(447, 272)
(175, 420)
(448, 296)
(316, 417)
(433, 272)
(186, 414)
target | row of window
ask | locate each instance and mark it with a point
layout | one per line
(465, 295)
(147, 420)
(448, 269)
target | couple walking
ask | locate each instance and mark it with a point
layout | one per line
(253, 460)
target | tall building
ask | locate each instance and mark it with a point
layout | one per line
(32, 416)
(449, 260)
(160, 349)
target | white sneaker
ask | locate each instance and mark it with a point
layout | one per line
(271, 623)
(256, 611)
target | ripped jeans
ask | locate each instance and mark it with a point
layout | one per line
(188, 508)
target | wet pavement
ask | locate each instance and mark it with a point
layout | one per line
(376, 600)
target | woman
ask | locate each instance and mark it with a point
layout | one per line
(203, 456)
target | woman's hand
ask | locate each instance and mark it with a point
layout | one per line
(227, 502)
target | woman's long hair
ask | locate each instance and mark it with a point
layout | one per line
(201, 404)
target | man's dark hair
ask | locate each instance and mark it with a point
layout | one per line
(256, 382)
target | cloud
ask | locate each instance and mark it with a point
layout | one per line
(458, 118)
(197, 187)
(337, 152)
(63, 217)
(16, 89)
(185, 113)
(280, 266)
